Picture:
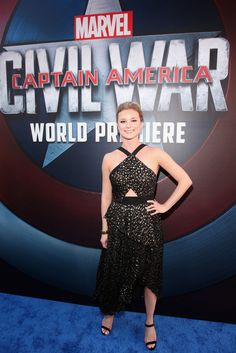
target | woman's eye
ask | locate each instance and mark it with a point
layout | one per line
(133, 121)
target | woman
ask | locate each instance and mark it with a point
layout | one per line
(131, 236)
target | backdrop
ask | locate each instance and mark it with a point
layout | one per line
(55, 129)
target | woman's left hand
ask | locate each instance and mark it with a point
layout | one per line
(155, 206)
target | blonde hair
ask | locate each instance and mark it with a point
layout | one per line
(129, 105)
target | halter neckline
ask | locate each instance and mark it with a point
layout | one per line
(138, 148)
(132, 154)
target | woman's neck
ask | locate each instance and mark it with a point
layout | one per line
(131, 145)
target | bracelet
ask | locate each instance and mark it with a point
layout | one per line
(104, 231)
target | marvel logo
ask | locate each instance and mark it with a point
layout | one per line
(106, 25)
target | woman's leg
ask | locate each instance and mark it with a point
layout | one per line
(107, 321)
(150, 304)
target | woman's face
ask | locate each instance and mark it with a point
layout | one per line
(129, 124)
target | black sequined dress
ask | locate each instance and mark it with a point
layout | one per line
(133, 257)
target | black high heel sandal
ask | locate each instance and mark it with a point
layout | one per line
(150, 342)
(106, 328)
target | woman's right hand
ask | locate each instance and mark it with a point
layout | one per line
(103, 240)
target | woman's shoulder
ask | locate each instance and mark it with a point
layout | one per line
(157, 152)
(109, 156)
(153, 149)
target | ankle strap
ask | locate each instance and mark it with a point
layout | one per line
(149, 325)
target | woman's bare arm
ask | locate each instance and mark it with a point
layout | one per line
(178, 173)
(106, 198)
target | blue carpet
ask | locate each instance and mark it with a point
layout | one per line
(30, 325)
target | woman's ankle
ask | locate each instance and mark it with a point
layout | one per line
(108, 316)
(149, 320)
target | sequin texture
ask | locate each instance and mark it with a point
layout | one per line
(133, 257)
